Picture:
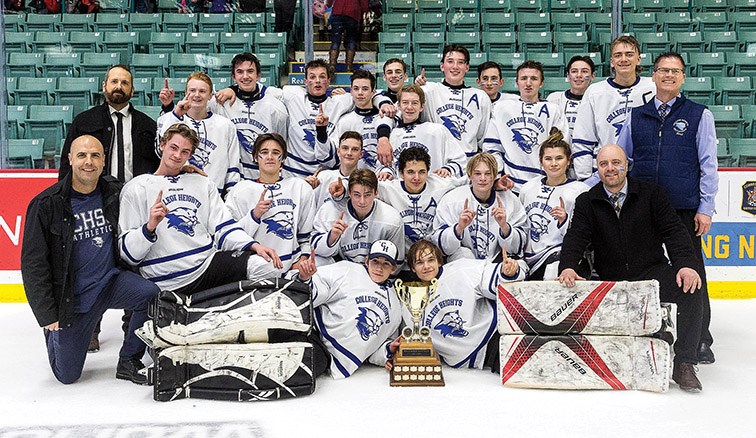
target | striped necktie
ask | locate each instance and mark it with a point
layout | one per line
(615, 203)
(663, 111)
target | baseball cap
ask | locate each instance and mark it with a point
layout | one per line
(385, 249)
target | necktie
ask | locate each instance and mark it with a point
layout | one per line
(615, 203)
(663, 111)
(119, 144)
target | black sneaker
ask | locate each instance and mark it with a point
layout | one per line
(94, 343)
(705, 355)
(129, 369)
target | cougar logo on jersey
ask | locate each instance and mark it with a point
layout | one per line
(97, 241)
(525, 138)
(247, 138)
(455, 124)
(360, 231)
(183, 219)
(368, 323)
(415, 231)
(617, 128)
(370, 159)
(309, 137)
(451, 325)
(200, 158)
(539, 225)
(281, 224)
(172, 179)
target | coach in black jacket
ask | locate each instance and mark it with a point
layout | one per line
(99, 122)
(627, 234)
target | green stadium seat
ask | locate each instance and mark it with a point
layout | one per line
(106, 22)
(76, 22)
(41, 22)
(675, 21)
(714, 6)
(267, 42)
(520, 6)
(677, 5)
(144, 25)
(177, 83)
(494, 7)
(394, 42)
(743, 21)
(143, 89)
(80, 93)
(708, 64)
(651, 5)
(166, 42)
(215, 23)
(497, 22)
(553, 63)
(508, 63)
(463, 22)
(569, 22)
(595, 57)
(270, 22)
(149, 65)
(50, 42)
(728, 121)
(61, 64)
(640, 22)
(533, 22)
(237, 42)
(749, 115)
(599, 23)
(742, 64)
(429, 22)
(249, 22)
(654, 42)
(551, 85)
(81, 42)
(434, 6)
(201, 42)
(179, 23)
(49, 122)
(25, 153)
(588, 6)
(400, 6)
(219, 64)
(464, 6)
(558, 7)
(24, 64)
(647, 63)
(535, 42)
(742, 5)
(428, 61)
(124, 43)
(744, 151)
(115, 6)
(182, 65)
(717, 41)
(383, 57)
(687, 41)
(475, 60)
(97, 64)
(14, 22)
(269, 67)
(499, 42)
(16, 114)
(724, 158)
(397, 22)
(19, 42)
(153, 111)
(711, 21)
(423, 42)
(699, 89)
(168, 6)
(734, 90)
(572, 42)
(470, 40)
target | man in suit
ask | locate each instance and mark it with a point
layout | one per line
(629, 222)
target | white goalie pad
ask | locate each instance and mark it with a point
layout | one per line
(241, 312)
(585, 362)
(236, 372)
(590, 307)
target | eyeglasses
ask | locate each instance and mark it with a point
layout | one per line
(666, 71)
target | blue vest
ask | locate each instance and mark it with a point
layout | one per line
(668, 155)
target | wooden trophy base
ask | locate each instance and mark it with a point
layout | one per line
(416, 364)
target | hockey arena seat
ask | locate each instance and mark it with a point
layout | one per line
(721, 41)
(708, 64)
(427, 61)
(97, 64)
(153, 111)
(149, 65)
(167, 6)
(728, 121)
(41, 22)
(587, 6)
(535, 42)
(143, 90)
(236, 42)
(675, 21)
(215, 23)
(598, 23)
(124, 43)
(749, 115)
(249, 22)
(18, 42)
(397, 22)
(61, 64)
(713, 6)
(509, 63)
(744, 151)
(743, 21)
(711, 21)
(115, 5)
(654, 42)
(270, 22)
(81, 42)
(520, 6)
(494, 7)
(267, 43)
(383, 57)
(499, 42)
(144, 25)
(651, 5)
(24, 153)
(108, 22)
(16, 114)
(699, 89)
(741, 64)
(533, 22)
(677, 5)
(463, 22)
(734, 90)
(49, 122)
(78, 22)
(553, 63)
(429, 22)
(166, 42)
(79, 93)
(504, 22)
(394, 42)
(687, 41)
(552, 84)
(559, 7)
(569, 22)
(431, 6)
(201, 42)
(50, 42)
(181, 65)
(400, 6)
(423, 42)
(14, 22)
(640, 22)
(34, 91)
(724, 158)
(464, 6)
(179, 23)
(269, 66)
(571, 42)
(470, 40)
(742, 5)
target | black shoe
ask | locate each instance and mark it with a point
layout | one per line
(685, 376)
(129, 369)
(705, 355)
(94, 343)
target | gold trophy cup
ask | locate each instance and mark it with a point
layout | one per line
(416, 362)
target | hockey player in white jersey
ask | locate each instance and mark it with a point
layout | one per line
(176, 230)
(349, 153)
(581, 71)
(395, 76)
(345, 230)
(462, 313)
(357, 311)
(549, 202)
(490, 81)
(416, 195)
(606, 104)
(464, 111)
(218, 150)
(518, 127)
(475, 221)
(447, 157)
(275, 211)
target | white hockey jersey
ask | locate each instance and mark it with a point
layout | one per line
(196, 226)
(252, 118)
(462, 313)
(287, 226)
(569, 106)
(218, 150)
(445, 151)
(416, 210)
(464, 112)
(515, 134)
(382, 223)
(356, 317)
(600, 118)
(326, 177)
(366, 123)
(482, 239)
(546, 234)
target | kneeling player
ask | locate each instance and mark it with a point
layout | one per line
(462, 313)
(347, 296)
(175, 228)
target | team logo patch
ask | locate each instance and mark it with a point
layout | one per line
(309, 137)
(455, 124)
(360, 231)
(97, 241)
(414, 232)
(451, 325)
(281, 224)
(617, 128)
(539, 225)
(246, 138)
(368, 323)
(680, 126)
(183, 219)
(749, 197)
(525, 138)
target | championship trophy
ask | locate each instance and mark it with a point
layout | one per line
(416, 362)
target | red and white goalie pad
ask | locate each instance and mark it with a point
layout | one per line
(590, 307)
(585, 362)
